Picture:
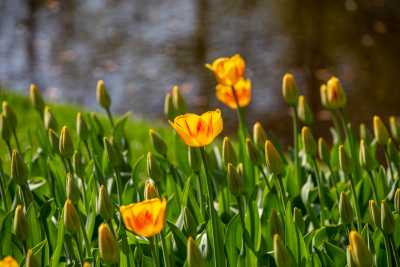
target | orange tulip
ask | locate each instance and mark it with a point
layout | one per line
(228, 70)
(198, 130)
(242, 90)
(146, 218)
(8, 262)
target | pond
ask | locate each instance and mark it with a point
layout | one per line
(142, 48)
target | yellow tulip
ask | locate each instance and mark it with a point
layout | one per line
(198, 130)
(336, 97)
(146, 218)
(231, 95)
(8, 262)
(228, 70)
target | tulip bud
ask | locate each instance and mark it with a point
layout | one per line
(374, 213)
(71, 217)
(86, 264)
(77, 163)
(169, 111)
(228, 152)
(5, 130)
(298, 219)
(194, 257)
(365, 156)
(365, 134)
(31, 260)
(309, 144)
(150, 190)
(259, 135)
(345, 163)
(394, 128)
(9, 114)
(102, 96)
(153, 170)
(273, 159)
(387, 219)
(66, 146)
(345, 209)
(49, 120)
(104, 205)
(349, 259)
(360, 254)
(380, 131)
(189, 223)
(194, 159)
(336, 98)
(81, 127)
(36, 99)
(323, 150)
(324, 96)
(397, 200)
(275, 224)
(108, 246)
(289, 90)
(20, 224)
(281, 255)
(72, 189)
(114, 157)
(392, 151)
(19, 170)
(54, 140)
(304, 112)
(235, 181)
(252, 152)
(158, 142)
(178, 101)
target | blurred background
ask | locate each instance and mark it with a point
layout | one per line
(142, 48)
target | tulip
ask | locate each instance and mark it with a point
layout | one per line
(345, 163)
(259, 135)
(104, 206)
(169, 111)
(365, 157)
(239, 93)
(81, 127)
(273, 159)
(194, 257)
(336, 98)
(9, 114)
(289, 90)
(394, 128)
(252, 152)
(146, 218)
(228, 152)
(365, 134)
(309, 144)
(71, 217)
(359, 250)
(36, 99)
(380, 131)
(397, 200)
(20, 224)
(8, 262)
(30, 260)
(323, 150)
(5, 130)
(228, 70)
(19, 170)
(72, 189)
(108, 246)
(150, 190)
(304, 112)
(66, 147)
(77, 163)
(282, 256)
(275, 224)
(345, 209)
(49, 120)
(374, 213)
(324, 96)
(198, 131)
(153, 169)
(102, 96)
(178, 101)
(158, 142)
(235, 180)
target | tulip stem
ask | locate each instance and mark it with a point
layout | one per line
(356, 206)
(110, 118)
(118, 185)
(265, 178)
(320, 193)
(296, 143)
(164, 250)
(201, 194)
(154, 251)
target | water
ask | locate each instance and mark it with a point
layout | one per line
(142, 48)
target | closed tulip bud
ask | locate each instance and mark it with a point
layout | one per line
(397, 200)
(71, 217)
(20, 224)
(54, 140)
(394, 128)
(298, 219)
(387, 219)
(102, 96)
(259, 135)
(114, 157)
(345, 163)
(178, 101)
(365, 134)
(289, 90)
(49, 120)
(275, 224)
(36, 99)
(380, 131)
(86, 264)
(194, 257)
(81, 127)
(5, 129)
(273, 159)
(194, 159)
(360, 254)
(228, 152)
(365, 156)
(345, 209)
(323, 150)
(281, 255)
(309, 144)
(10, 115)
(150, 190)
(153, 170)
(19, 170)
(65, 146)
(104, 205)
(169, 111)
(304, 112)
(108, 246)
(252, 152)
(239, 169)
(235, 181)
(77, 163)
(336, 98)
(31, 260)
(158, 143)
(72, 189)
(374, 213)
(324, 96)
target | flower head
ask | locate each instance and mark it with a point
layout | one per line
(8, 262)
(239, 93)
(198, 130)
(146, 218)
(228, 70)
